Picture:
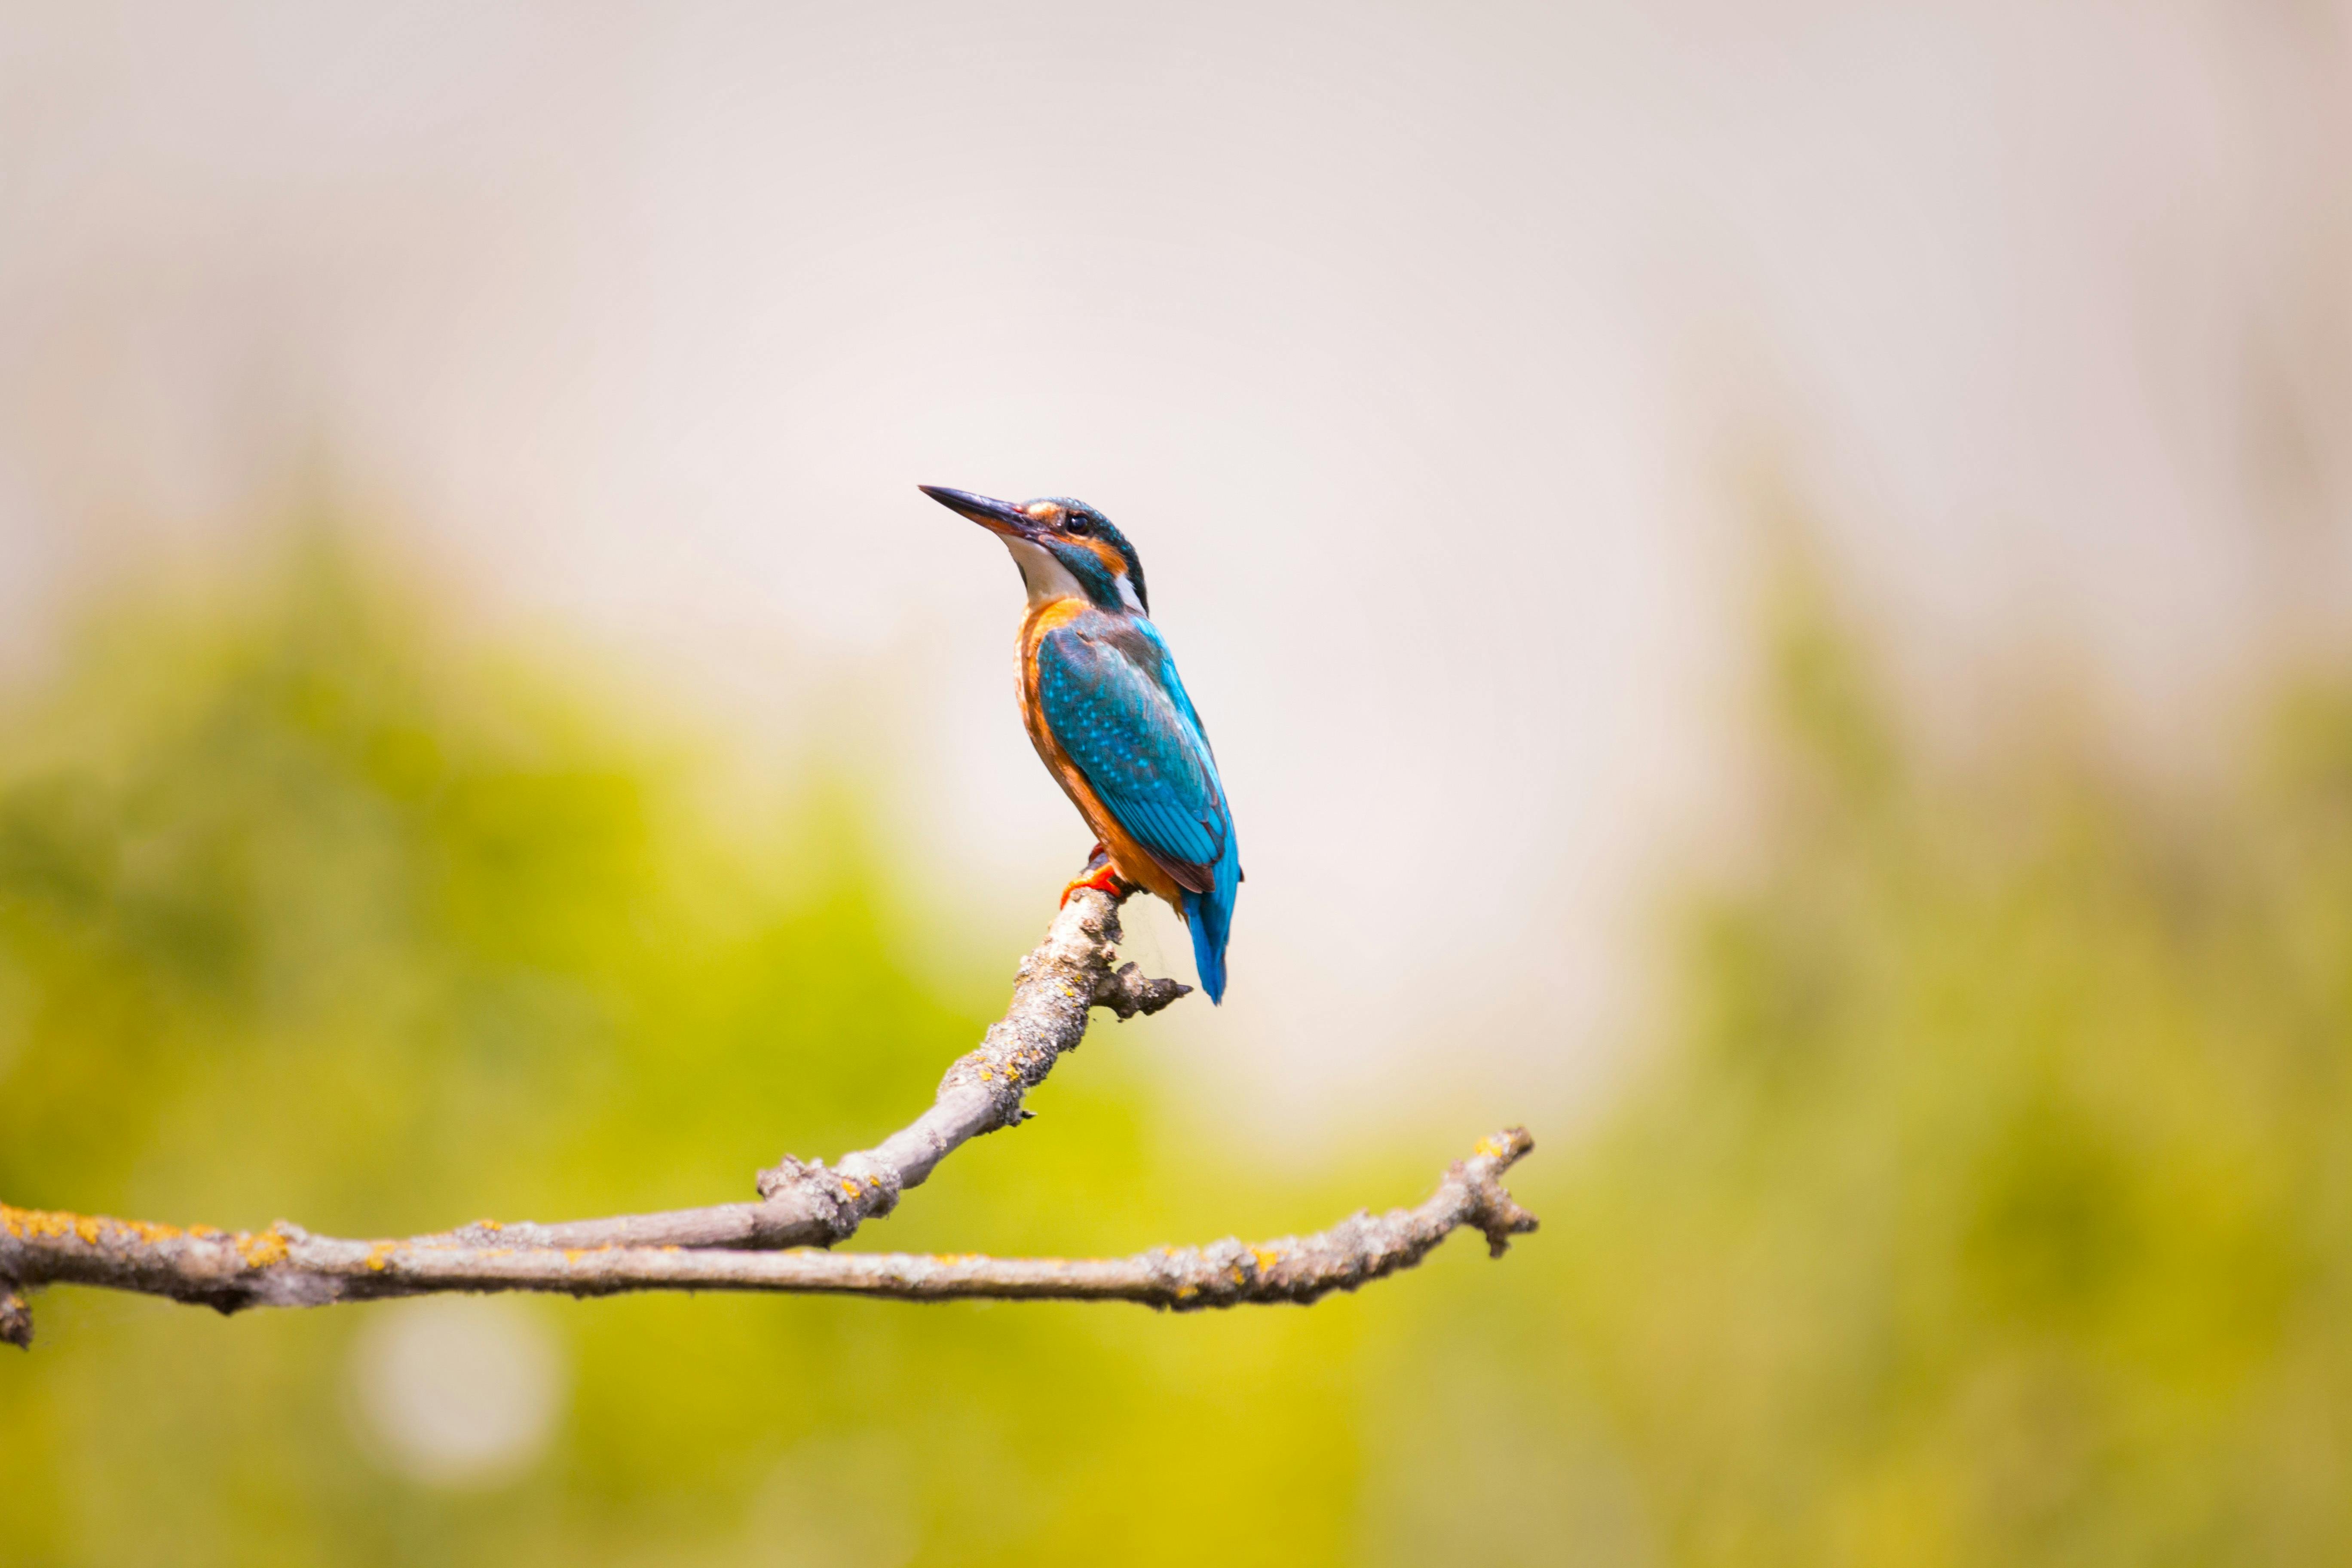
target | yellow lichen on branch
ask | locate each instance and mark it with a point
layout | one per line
(778, 1243)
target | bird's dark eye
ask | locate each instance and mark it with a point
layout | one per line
(1079, 524)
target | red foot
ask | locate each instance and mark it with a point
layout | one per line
(1101, 877)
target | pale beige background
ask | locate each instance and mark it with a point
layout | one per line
(1440, 359)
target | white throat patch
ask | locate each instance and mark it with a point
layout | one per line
(1046, 578)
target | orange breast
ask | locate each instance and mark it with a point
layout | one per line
(1127, 858)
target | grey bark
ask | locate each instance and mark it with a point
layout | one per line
(284, 1265)
(801, 1204)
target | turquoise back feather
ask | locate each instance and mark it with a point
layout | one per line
(1109, 689)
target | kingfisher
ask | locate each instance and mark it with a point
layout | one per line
(1109, 715)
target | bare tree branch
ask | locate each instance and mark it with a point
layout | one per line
(814, 1204)
(284, 1265)
(801, 1205)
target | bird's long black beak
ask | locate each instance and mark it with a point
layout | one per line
(996, 516)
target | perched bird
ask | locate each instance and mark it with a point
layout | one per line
(1105, 709)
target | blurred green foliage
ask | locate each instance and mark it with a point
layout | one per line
(1986, 1202)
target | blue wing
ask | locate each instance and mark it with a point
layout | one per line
(1136, 741)
(1112, 697)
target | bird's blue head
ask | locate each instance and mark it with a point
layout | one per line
(1062, 547)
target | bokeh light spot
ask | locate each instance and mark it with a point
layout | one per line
(458, 1392)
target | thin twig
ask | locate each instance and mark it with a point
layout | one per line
(286, 1266)
(16, 1316)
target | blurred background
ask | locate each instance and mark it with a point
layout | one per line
(1771, 584)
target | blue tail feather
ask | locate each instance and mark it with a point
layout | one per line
(1210, 917)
